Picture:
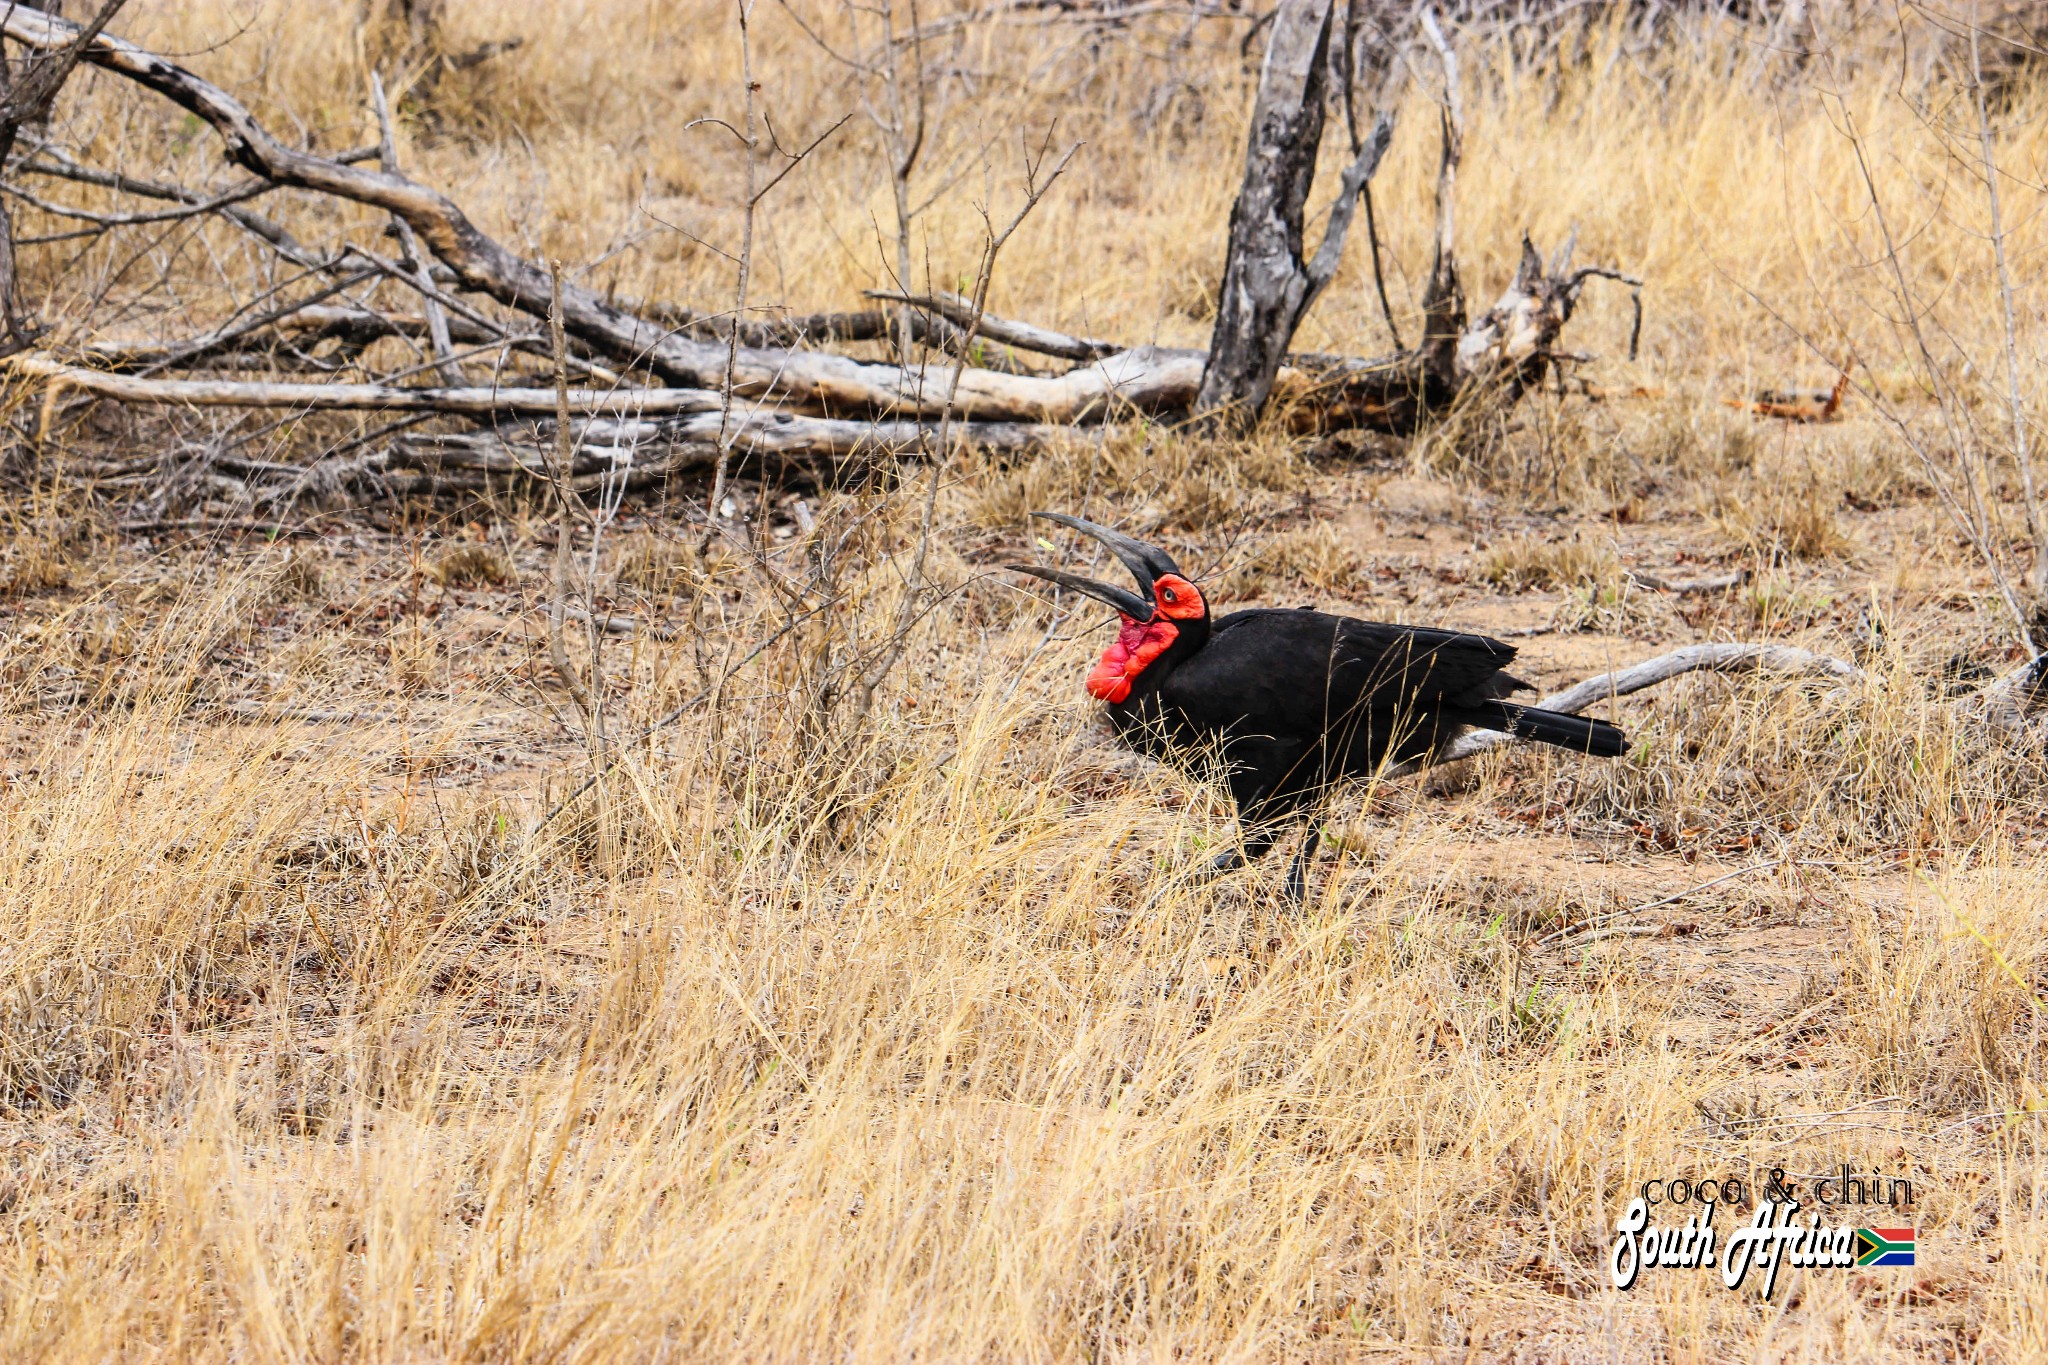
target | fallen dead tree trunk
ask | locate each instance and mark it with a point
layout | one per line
(1503, 351)
(1315, 393)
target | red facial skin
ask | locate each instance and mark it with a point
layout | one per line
(1138, 643)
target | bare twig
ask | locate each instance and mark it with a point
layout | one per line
(240, 194)
(725, 676)
(1443, 299)
(409, 253)
(1379, 278)
(1968, 508)
(1348, 67)
(1024, 336)
(751, 140)
(1351, 187)
(58, 164)
(568, 510)
(193, 349)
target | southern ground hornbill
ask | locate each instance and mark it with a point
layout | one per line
(1292, 701)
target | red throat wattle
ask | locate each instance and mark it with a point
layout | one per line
(1137, 644)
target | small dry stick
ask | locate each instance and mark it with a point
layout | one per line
(1443, 271)
(1349, 63)
(567, 505)
(905, 144)
(751, 140)
(901, 122)
(409, 249)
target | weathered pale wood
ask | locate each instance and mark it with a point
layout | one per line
(1443, 297)
(1024, 336)
(1264, 279)
(481, 402)
(1717, 658)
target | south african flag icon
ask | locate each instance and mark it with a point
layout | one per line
(1884, 1246)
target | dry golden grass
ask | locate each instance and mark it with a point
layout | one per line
(1534, 562)
(918, 1038)
(471, 566)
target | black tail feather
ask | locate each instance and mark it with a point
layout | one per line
(1577, 733)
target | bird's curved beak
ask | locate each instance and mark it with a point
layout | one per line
(1123, 599)
(1146, 563)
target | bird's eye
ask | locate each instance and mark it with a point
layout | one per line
(1167, 593)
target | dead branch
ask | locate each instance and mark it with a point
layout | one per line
(1322, 392)
(242, 193)
(54, 162)
(1717, 658)
(302, 327)
(214, 343)
(683, 442)
(2009, 703)
(1024, 336)
(612, 453)
(809, 329)
(479, 402)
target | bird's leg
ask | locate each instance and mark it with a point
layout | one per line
(1297, 875)
(1254, 847)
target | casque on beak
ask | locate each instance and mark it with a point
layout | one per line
(1146, 563)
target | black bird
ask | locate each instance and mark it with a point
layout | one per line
(1293, 701)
